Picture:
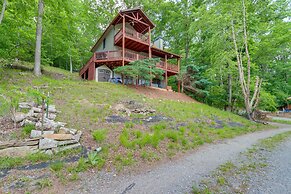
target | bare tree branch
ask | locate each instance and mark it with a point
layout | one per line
(3, 10)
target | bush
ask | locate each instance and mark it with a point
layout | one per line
(100, 135)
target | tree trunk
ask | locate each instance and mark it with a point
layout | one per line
(3, 10)
(37, 58)
(71, 64)
(229, 106)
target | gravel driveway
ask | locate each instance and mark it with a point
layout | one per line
(277, 177)
(180, 175)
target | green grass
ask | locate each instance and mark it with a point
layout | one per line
(27, 129)
(99, 135)
(86, 104)
(57, 166)
(281, 121)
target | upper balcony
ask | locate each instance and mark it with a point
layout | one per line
(129, 56)
(133, 40)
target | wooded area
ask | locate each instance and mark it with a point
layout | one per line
(229, 50)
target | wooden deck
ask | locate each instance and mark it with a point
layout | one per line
(129, 56)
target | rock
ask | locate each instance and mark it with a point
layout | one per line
(26, 122)
(19, 116)
(35, 133)
(52, 116)
(67, 130)
(63, 148)
(30, 113)
(49, 152)
(18, 151)
(77, 137)
(58, 136)
(36, 110)
(49, 124)
(47, 143)
(98, 149)
(68, 142)
(15, 143)
(52, 109)
(25, 105)
(48, 132)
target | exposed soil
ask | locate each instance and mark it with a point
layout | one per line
(158, 93)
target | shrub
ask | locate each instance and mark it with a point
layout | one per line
(99, 135)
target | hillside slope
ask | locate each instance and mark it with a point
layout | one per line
(110, 117)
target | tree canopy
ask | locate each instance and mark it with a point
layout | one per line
(200, 31)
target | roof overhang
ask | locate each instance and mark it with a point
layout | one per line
(161, 53)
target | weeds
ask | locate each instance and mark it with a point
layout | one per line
(57, 166)
(100, 135)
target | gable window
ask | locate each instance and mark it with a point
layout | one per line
(104, 43)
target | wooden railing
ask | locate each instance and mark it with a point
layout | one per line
(129, 56)
(109, 55)
(132, 34)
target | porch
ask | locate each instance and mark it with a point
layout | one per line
(107, 57)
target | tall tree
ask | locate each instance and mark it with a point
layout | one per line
(37, 59)
(3, 10)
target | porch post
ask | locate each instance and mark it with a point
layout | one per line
(166, 72)
(123, 45)
(179, 84)
(150, 53)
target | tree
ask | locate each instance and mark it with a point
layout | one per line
(3, 10)
(250, 102)
(142, 69)
(37, 59)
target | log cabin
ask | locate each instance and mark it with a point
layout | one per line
(127, 39)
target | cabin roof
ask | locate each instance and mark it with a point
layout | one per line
(140, 22)
(136, 17)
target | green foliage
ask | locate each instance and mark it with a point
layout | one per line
(57, 166)
(99, 135)
(43, 183)
(94, 159)
(268, 102)
(27, 129)
(143, 69)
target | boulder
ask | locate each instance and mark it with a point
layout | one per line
(18, 151)
(47, 143)
(35, 133)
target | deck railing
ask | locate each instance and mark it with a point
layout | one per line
(132, 34)
(130, 56)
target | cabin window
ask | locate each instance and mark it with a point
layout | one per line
(104, 43)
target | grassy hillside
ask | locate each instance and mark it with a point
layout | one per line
(87, 105)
